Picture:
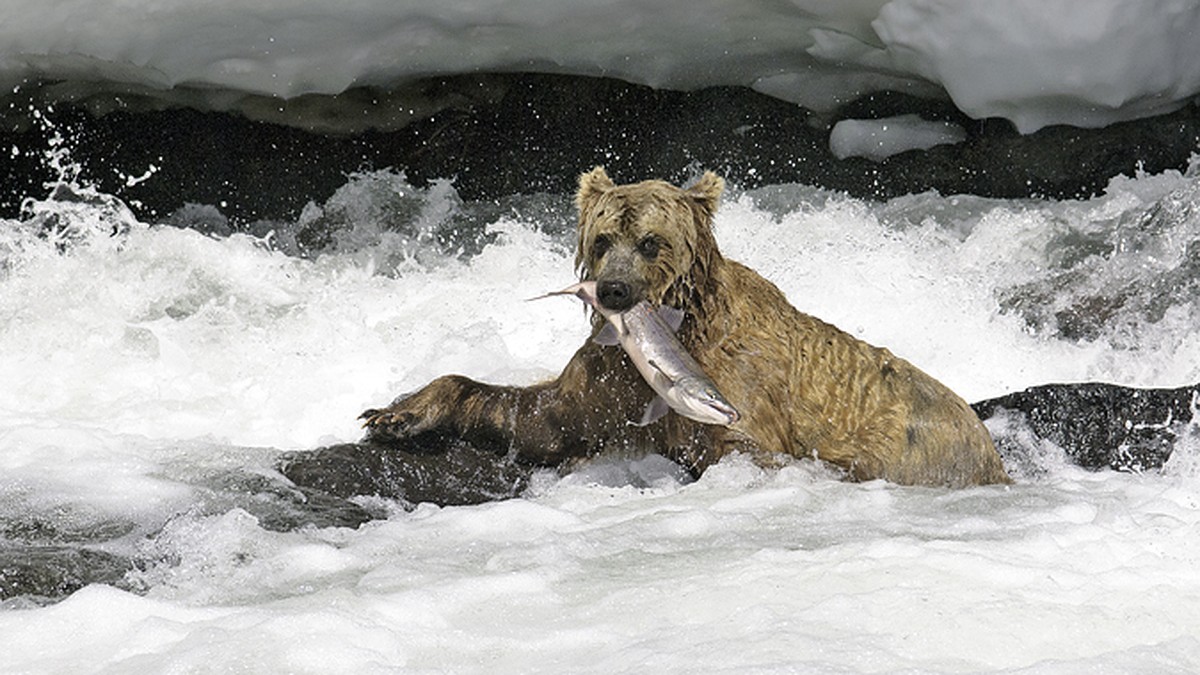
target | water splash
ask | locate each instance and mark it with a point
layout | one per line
(1110, 277)
(72, 213)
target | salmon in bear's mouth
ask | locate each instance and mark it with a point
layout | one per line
(647, 334)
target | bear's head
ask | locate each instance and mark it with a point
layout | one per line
(647, 241)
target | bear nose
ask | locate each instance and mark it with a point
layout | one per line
(614, 295)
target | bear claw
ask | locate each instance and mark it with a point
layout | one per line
(390, 422)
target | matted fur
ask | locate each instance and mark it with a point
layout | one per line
(803, 387)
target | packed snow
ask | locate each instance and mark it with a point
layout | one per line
(882, 138)
(1035, 62)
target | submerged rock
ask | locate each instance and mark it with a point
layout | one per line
(45, 573)
(414, 472)
(1101, 426)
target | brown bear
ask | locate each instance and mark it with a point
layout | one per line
(803, 387)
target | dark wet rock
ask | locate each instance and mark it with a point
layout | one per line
(315, 509)
(39, 529)
(499, 135)
(453, 474)
(280, 506)
(44, 558)
(1103, 426)
(884, 104)
(47, 573)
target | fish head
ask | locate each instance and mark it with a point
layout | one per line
(705, 403)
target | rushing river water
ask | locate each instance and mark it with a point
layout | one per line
(153, 374)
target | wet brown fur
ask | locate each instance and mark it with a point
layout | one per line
(803, 387)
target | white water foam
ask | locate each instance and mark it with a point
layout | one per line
(137, 359)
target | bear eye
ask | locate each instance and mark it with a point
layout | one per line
(648, 247)
(600, 246)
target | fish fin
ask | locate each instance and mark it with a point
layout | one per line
(607, 336)
(672, 316)
(653, 412)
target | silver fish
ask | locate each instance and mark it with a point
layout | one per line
(647, 334)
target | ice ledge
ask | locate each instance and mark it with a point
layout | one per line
(1086, 63)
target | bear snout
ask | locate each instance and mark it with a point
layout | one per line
(616, 296)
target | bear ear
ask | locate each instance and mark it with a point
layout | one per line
(592, 185)
(707, 191)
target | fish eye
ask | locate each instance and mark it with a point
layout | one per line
(600, 246)
(648, 247)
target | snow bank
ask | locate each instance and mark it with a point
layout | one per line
(1043, 62)
(1036, 62)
